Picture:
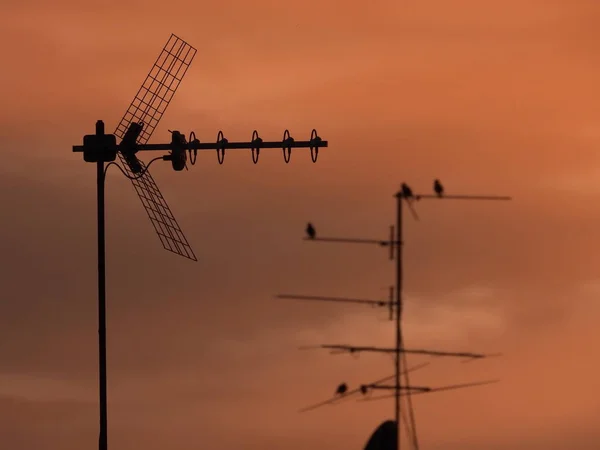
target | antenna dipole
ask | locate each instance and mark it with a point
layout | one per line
(134, 130)
(395, 242)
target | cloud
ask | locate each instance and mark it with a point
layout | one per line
(40, 389)
(488, 96)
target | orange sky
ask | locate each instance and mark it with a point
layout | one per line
(494, 97)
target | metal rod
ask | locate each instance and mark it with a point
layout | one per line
(225, 145)
(350, 240)
(353, 349)
(333, 299)
(462, 197)
(398, 311)
(103, 440)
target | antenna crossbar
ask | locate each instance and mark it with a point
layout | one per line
(404, 388)
(352, 241)
(426, 390)
(461, 197)
(354, 349)
(334, 299)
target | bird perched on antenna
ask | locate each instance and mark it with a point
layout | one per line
(310, 231)
(438, 188)
(341, 389)
(406, 191)
(407, 194)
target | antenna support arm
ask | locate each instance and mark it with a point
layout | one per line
(352, 349)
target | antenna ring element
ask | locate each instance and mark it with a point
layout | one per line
(256, 142)
(287, 140)
(221, 144)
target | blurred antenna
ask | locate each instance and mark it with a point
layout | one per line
(404, 196)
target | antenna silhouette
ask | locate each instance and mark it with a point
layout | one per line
(134, 131)
(404, 196)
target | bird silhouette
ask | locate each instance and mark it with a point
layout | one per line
(341, 389)
(310, 231)
(438, 188)
(406, 190)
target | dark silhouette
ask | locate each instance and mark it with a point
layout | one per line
(147, 119)
(341, 389)
(384, 437)
(135, 128)
(400, 388)
(134, 131)
(363, 389)
(438, 188)
(407, 194)
(310, 231)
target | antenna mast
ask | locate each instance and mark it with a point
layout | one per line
(395, 242)
(134, 130)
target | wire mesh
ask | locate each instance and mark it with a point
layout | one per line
(147, 107)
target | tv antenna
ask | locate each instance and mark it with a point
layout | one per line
(134, 131)
(404, 196)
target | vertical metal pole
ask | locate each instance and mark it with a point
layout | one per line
(103, 440)
(398, 310)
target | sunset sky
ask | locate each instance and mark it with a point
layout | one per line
(492, 97)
